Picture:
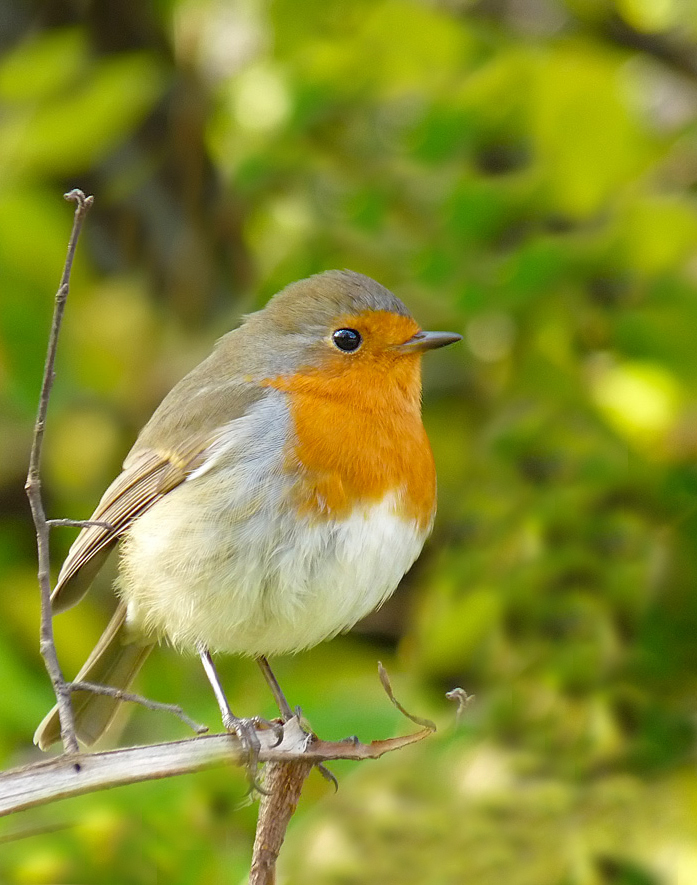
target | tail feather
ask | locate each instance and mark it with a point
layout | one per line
(114, 661)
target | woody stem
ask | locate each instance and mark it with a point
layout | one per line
(33, 487)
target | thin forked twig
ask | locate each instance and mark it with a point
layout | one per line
(33, 486)
(131, 698)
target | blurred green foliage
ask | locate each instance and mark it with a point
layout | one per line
(524, 171)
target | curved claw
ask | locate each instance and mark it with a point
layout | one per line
(328, 776)
(254, 788)
(245, 729)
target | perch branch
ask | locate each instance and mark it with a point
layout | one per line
(33, 486)
(61, 777)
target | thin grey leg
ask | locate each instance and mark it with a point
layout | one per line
(276, 691)
(245, 729)
(229, 718)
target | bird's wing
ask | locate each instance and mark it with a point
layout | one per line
(164, 455)
(146, 478)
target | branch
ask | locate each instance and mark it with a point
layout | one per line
(64, 776)
(33, 487)
(283, 783)
(132, 698)
(80, 523)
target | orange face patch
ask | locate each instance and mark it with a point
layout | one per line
(357, 420)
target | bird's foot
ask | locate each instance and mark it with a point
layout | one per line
(246, 731)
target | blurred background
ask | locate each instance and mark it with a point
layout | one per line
(522, 171)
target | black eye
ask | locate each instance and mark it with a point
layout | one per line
(347, 339)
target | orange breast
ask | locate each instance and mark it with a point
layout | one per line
(358, 429)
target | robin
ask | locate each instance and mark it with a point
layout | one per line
(277, 495)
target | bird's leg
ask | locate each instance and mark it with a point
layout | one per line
(229, 717)
(287, 713)
(245, 729)
(276, 691)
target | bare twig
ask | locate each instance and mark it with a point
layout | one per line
(387, 685)
(61, 777)
(33, 487)
(131, 698)
(80, 524)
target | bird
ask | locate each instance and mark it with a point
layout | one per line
(276, 496)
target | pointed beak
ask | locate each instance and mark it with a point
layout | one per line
(427, 341)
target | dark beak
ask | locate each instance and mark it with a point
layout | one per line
(427, 341)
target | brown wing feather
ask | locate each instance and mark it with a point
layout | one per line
(148, 476)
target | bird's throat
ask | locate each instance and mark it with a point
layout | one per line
(359, 438)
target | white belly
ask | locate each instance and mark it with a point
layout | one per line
(222, 560)
(304, 583)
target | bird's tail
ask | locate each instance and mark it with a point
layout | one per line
(114, 661)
